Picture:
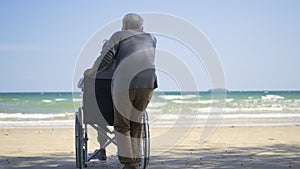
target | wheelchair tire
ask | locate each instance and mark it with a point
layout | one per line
(146, 142)
(79, 144)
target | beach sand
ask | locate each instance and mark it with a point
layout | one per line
(229, 147)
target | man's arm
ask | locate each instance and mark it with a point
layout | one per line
(108, 52)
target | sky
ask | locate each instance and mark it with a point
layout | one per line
(257, 41)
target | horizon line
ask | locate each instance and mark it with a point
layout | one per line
(158, 91)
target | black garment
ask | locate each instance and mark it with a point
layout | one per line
(104, 99)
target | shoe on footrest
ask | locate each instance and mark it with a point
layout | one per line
(102, 155)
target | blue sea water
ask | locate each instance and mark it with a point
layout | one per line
(247, 108)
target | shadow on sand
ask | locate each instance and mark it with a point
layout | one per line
(267, 157)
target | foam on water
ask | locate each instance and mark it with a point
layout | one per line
(242, 110)
(5, 116)
(46, 101)
(195, 101)
(272, 97)
(60, 99)
(38, 124)
(77, 99)
(156, 104)
(172, 97)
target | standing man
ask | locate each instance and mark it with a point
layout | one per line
(128, 59)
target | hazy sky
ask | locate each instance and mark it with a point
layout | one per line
(257, 41)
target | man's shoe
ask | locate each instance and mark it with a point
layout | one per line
(102, 155)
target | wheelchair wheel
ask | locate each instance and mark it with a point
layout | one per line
(79, 144)
(145, 142)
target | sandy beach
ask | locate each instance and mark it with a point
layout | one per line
(229, 147)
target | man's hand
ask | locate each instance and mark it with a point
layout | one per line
(89, 73)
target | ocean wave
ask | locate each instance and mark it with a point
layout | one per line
(167, 117)
(156, 104)
(172, 97)
(173, 120)
(60, 99)
(154, 110)
(35, 124)
(240, 110)
(56, 100)
(4, 116)
(47, 101)
(195, 101)
(242, 116)
(170, 117)
(199, 101)
(77, 99)
(239, 116)
(271, 97)
(229, 100)
(267, 115)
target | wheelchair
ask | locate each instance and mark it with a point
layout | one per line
(89, 116)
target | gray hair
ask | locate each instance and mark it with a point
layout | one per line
(133, 21)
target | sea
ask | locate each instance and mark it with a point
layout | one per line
(166, 109)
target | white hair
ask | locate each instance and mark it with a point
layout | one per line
(133, 21)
